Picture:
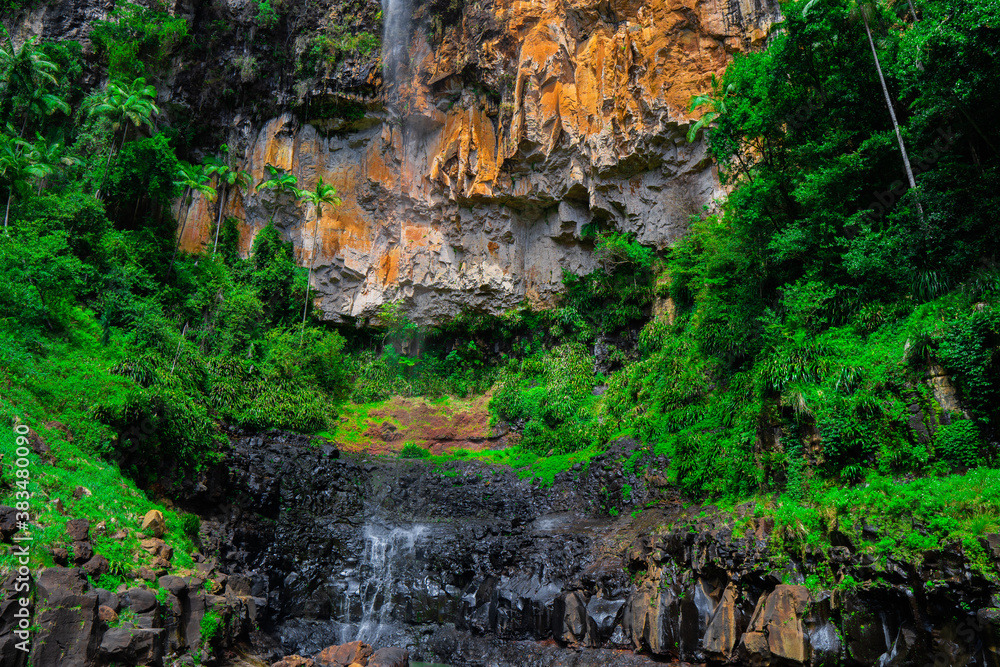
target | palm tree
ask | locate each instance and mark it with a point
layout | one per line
(129, 104)
(227, 178)
(323, 194)
(41, 103)
(47, 157)
(26, 74)
(16, 168)
(279, 181)
(194, 178)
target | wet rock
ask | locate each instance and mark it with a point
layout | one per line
(792, 625)
(570, 618)
(294, 661)
(344, 654)
(724, 627)
(651, 618)
(389, 657)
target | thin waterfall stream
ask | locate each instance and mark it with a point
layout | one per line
(395, 41)
(384, 551)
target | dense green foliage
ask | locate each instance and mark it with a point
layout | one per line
(810, 307)
(826, 324)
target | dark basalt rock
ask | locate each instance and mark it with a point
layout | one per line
(506, 563)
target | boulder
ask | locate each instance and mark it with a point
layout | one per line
(141, 600)
(96, 566)
(791, 625)
(60, 556)
(136, 646)
(82, 552)
(783, 613)
(66, 616)
(724, 627)
(106, 615)
(651, 618)
(988, 621)
(294, 661)
(154, 523)
(390, 657)
(106, 598)
(176, 585)
(569, 618)
(56, 584)
(8, 522)
(78, 530)
(991, 542)
(344, 654)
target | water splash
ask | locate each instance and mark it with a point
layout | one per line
(384, 551)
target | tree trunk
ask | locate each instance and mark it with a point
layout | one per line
(187, 211)
(218, 222)
(892, 113)
(107, 165)
(888, 102)
(312, 261)
(178, 355)
(6, 216)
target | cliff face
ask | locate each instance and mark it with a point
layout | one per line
(518, 126)
(468, 179)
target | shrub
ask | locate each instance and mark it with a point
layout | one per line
(959, 443)
(412, 451)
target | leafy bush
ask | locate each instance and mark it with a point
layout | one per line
(412, 451)
(266, 16)
(135, 36)
(959, 443)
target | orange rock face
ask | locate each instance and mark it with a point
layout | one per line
(514, 130)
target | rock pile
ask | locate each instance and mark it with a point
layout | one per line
(352, 654)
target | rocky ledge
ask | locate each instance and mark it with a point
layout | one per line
(173, 620)
(467, 564)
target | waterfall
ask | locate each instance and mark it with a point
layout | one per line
(384, 550)
(395, 41)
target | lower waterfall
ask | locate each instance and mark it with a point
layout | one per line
(383, 550)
